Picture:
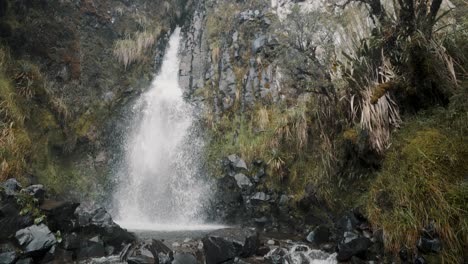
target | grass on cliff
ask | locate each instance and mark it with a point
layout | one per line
(423, 180)
(14, 141)
(278, 135)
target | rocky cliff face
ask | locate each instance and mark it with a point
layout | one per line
(227, 65)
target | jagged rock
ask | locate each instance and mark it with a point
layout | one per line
(70, 241)
(237, 162)
(99, 222)
(427, 245)
(321, 234)
(260, 196)
(36, 239)
(349, 236)
(153, 251)
(276, 255)
(11, 187)
(356, 247)
(225, 245)
(60, 214)
(160, 251)
(242, 181)
(10, 218)
(37, 191)
(184, 258)
(347, 223)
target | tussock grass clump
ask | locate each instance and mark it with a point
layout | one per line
(133, 47)
(28, 79)
(423, 180)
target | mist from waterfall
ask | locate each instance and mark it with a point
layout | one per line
(159, 186)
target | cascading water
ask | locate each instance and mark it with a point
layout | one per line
(159, 188)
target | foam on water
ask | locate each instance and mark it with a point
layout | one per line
(142, 226)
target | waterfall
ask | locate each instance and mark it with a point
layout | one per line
(159, 186)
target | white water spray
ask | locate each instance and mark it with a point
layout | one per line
(160, 188)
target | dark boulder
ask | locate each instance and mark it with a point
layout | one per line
(60, 214)
(347, 223)
(427, 245)
(225, 245)
(320, 235)
(90, 249)
(228, 202)
(70, 241)
(98, 221)
(356, 247)
(35, 240)
(10, 218)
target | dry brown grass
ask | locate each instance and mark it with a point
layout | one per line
(133, 47)
(422, 182)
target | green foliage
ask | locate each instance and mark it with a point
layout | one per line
(29, 206)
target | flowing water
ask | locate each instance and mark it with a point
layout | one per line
(161, 194)
(160, 188)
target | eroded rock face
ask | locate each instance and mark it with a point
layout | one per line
(219, 68)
